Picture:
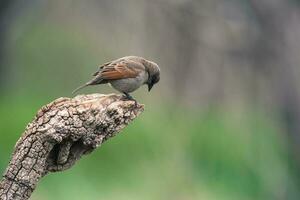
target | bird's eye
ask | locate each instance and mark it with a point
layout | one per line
(156, 78)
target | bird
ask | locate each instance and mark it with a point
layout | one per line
(126, 75)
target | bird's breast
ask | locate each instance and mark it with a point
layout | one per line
(129, 84)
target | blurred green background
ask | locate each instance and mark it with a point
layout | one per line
(222, 124)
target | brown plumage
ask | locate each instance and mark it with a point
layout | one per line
(126, 74)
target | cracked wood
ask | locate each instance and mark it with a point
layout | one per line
(59, 135)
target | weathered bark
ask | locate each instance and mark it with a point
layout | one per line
(59, 135)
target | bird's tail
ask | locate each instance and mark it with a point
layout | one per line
(94, 81)
(79, 88)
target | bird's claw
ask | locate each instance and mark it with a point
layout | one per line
(130, 98)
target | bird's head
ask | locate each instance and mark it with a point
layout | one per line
(153, 73)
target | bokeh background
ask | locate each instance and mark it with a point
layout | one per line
(223, 123)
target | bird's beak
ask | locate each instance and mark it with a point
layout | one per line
(150, 86)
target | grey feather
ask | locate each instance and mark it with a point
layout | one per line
(96, 80)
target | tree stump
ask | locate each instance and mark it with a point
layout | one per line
(60, 134)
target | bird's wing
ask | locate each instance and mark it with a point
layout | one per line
(101, 67)
(120, 70)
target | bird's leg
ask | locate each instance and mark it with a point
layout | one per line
(129, 97)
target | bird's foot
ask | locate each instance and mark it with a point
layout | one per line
(130, 98)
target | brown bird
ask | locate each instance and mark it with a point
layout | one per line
(126, 74)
